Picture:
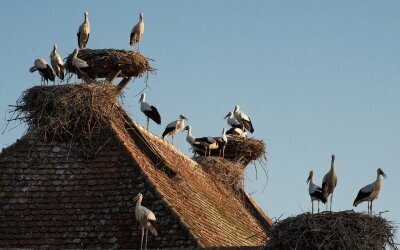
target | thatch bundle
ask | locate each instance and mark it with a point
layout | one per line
(223, 171)
(104, 63)
(73, 112)
(341, 230)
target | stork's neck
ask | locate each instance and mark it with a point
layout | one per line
(378, 179)
(139, 202)
(333, 165)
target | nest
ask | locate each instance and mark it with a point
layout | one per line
(223, 171)
(69, 112)
(105, 63)
(342, 230)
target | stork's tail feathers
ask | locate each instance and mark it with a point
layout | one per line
(152, 228)
(324, 199)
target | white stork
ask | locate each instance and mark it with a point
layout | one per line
(205, 144)
(77, 62)
(236, 132)
(174, 127)
(146, 219)
(222, 141)
(243, 119)
(149, 110)
(231, 120)
(137, 31)
(84, 32)
(329, 182)
(315, 192)
(44, 70)
(370, 192)
(57, 63)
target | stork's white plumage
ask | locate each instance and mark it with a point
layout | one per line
(137, 31)
(57, 63)
(84, 32)
(370, 192)
(44, 70)
(150, 111)
(231, 120)
(222, 143)
(329, 182)
(315, 192)
(204, 144)
(174, 127)
(77, 62)
(236, 132)
(146, 219)
(243, 119)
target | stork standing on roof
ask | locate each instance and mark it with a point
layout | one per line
(137, 31)
(44, 70)
(84, 32)
(149, 110)
(329, 182)
(243, 119)
(146, 219)
(315, 192)
(57, 63)
(370, 192)
(174, 127)
(77, 62)
(205, 144)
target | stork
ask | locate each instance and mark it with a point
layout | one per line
(149, 110)
(243, 119)
(137, 31)
(315, 192)
(236, 132)
(84, 32)
(205, 144)
(370, 192)
(44, 70)
(222, 141)
(231, 120)
(174, 127)
(146, 219)
(57, 63)
(329, 182)
(77, 62)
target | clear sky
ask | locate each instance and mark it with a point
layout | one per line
(316, 78)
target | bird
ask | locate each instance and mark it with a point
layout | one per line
(77, 62)
(370, 192)
(204, 144)
(236, 132)
(146, 219)
(222, 141)
(57, 63)
(84, 32)
(137, 31)
(231, 120)
(315, 192)
(174, 127)
(149, 110)
(44, 70)
(329, 182)
(243, 119)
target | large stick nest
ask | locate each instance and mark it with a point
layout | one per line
(104, 63)
(69, 112)
(341, 230)
(223, 171)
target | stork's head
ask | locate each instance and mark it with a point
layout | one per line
(228, 115)
(86, 14)
(310, 176)
(188, 127)
(380, 172)
(183, 117)
(141, 16)
(237, 108)
(142, 97)
(139, 196)
(55, 46)
(333, 157)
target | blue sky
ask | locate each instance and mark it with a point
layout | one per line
(316, 78)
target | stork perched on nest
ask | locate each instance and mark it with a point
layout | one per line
(222, 141)
(205, 144)
(44, 70)
(315, 192)
(137, 31)
(232, 121)
(57, 63)
(77, 62)
(370, 192)
(84, 32)
(174, 127)
(149, 110)
(329, 182)
(243, 119)
(146, 219)
(236, 132)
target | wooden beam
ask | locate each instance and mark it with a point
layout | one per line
(112, 77)
(123, 83)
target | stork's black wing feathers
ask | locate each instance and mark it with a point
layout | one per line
(248, 125)
(361, 195)
(318, 194)
(153, 114)
(167, 130)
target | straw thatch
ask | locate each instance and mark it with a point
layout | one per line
(71, 112)
(341, 230)
(104, 63)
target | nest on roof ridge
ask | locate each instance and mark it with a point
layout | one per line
(70, 112)
(341, 230)
(223, 171)
(104, 63)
